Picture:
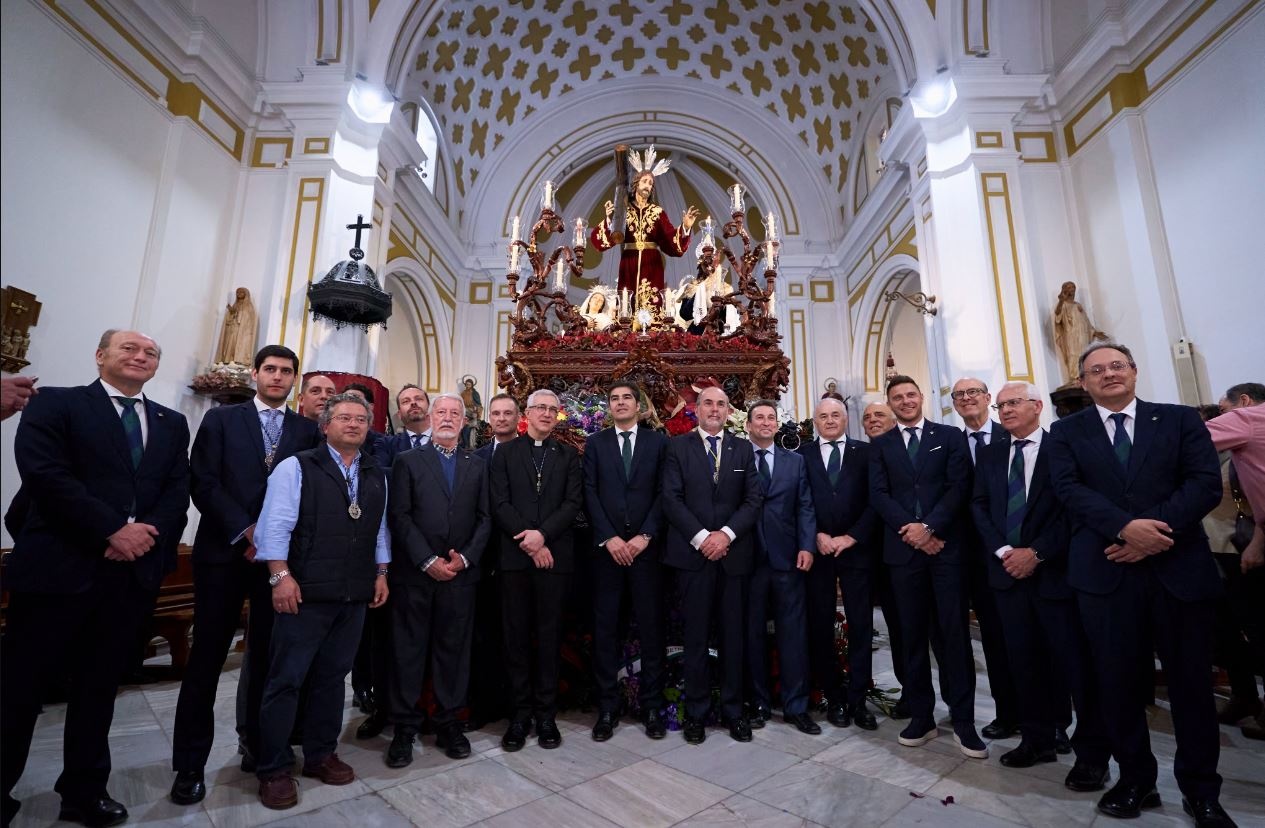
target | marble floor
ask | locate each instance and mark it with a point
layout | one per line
(783, 778)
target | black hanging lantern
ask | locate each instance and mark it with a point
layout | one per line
(350, 294)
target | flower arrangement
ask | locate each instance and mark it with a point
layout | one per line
(582, 411)
(664, 341)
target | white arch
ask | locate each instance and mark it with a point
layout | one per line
(420, 304)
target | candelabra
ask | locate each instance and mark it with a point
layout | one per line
(538, 294)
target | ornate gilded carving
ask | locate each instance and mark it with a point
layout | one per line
(21, 312)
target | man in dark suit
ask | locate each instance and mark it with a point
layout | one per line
(1024, 534)
(106, 473)
(413, 410)
(313, 394)
(1137, 478)
(971, 401)
(622, 467)
(920, 476)
(236, 448)
(488, 680)
(537, 488)
(838, 476)
(711, 543)
(785, 535)
(440, 524)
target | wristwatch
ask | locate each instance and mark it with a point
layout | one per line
(1037, 554)
(645, 535)
(276, 577)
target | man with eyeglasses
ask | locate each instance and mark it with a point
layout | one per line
(536, 490)
(920, 477)
(971, 400)
(323, 534)
(1137, 478)
(1025, 534)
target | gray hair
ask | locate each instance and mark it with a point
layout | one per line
(1098, 346)
(448, 395)
(982, 384)
(333, 402)
(1032, 392)
(104, 344)
(825, 400)
(531, 399)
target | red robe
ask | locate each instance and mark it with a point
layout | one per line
(649, 226)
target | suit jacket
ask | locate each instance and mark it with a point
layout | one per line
(77, 472)
(387, 447)
(620, 506)
(787, 521)
(1173, 476)
(427, 519)
(1045, 527)
(229, 478)
(940, 482)
(844, 508)
(517, 506)
(692, 502)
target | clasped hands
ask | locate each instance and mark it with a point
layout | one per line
(920, 537)
(447, 569)
(1142, 538)
(532, 541)
(715, 546)
(828, 545)
(624, 552)
(131, 542)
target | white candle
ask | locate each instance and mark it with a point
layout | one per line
(548, 201)
(736, 201)
(772, 300)
(579, 233)
(625, 308)
(772, 226)
(768, 255)
(558, 279)
(517, 228)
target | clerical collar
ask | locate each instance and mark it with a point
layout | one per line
(537, 443)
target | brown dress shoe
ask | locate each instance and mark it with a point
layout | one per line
(331, 770)
(279, 791)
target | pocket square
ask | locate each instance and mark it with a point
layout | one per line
(740, 470)
(937, 448)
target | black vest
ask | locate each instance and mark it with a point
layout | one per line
(331, 555)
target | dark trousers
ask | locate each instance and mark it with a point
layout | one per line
(1001, 682)
(821, 581)
(1046, 648)
(91, 634)
(1240, 626)
(643, 580)
(432, 623)
(784, 591)
(316, 645)
(706, 594)
(931, 597)
(531, 604)
(488, 681)
(219, 591)
(1120, 627)
(371, 669)
(881, 576)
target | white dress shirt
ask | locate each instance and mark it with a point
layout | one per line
(824, 445)
(986, 430)
(139, 408)
(698, 539)
(1131, 416)
(1029, 463)
(918, 427)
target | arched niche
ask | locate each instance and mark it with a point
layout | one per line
(417, 344)
(881, 326)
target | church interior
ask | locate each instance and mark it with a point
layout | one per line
(934, 172)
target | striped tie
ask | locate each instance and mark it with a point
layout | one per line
(835, 463)
(132, 429)
(1016, 497)
(1121, 444)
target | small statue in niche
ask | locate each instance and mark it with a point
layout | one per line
(1072, 332)
(237, 337)
(470, 396)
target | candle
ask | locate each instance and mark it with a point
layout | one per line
(768, 255)
(518, 224)
(559, 282)
(772, 224)
(736, 198)
(515, 230)
(625, 308)
(772, 299)
(579, 233)
(547, 202)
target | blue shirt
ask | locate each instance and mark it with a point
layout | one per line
(281, 513)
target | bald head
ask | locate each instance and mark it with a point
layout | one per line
(877, 419)
(127, 360)
(712, 409)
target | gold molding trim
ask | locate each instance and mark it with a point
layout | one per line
(316, 146)
(799, 358)
(257, 151)
(480, 293)
(303, 197)
(795, 290)
(821, 290)
(1051, 151)
(995, 186)
(989, 140)
(966, 26)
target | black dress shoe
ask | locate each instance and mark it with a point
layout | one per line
(189, 788)
(839, 716)
(863, 718)
(997, 729)
(1126, 801)
(760, 715)
(373, 725)
(739, 729)
(694, 732)
(363, 701)
(515, 736)
(1062, 744)
(1207, 813)
(803, 723)
(98, 811)
(604, 727)
(453, 742)
(1025, 756)
(400, 752)
(900, 710)
(653, 723)
(1086, 778)
(547, 734)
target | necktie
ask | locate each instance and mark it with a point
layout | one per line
(626, 453)
(713, 452)
(1016, 495)
(417, 440)
(132, 429)
(272, 435)
(912, 448)
(834, 463)
(978, 437)
(766, 474)
(1121, 444)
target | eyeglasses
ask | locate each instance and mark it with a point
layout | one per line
(968, 393)
(550, 409)
(358, 419)
(1002, 405)
(1099, 370)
